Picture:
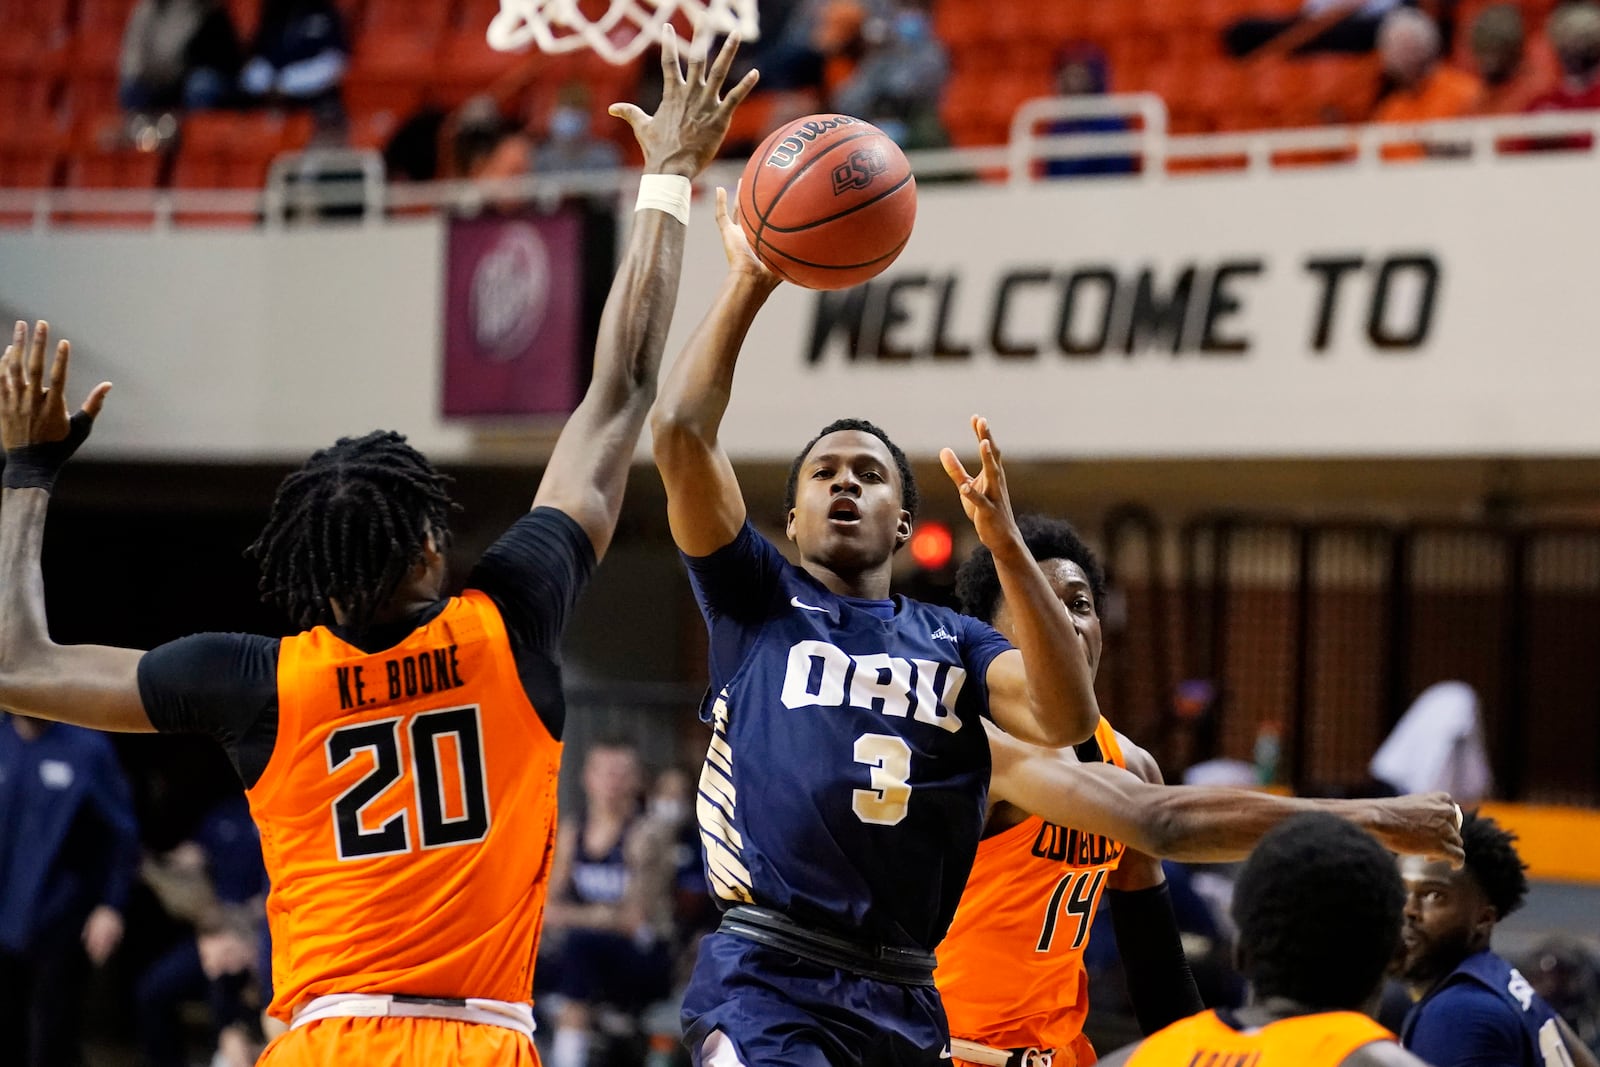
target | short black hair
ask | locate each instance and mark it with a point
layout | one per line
(1318, 906)
(978, 583)
(1494, 864)
(908, 481)
(348, 525)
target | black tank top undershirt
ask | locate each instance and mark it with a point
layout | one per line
(226, 685)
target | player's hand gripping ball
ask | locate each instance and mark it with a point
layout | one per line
(827, 201)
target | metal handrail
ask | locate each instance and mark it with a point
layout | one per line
(1478, 142)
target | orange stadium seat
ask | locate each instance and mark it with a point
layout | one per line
(246, 15)
(219, 151)
(104, 16)
(467, 65)
(421, 17)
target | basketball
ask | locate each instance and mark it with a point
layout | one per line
(828, 201)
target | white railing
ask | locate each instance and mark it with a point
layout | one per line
(325, 186)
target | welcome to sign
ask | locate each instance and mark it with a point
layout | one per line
(1437, 309)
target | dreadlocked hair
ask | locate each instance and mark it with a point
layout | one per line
(348, 525)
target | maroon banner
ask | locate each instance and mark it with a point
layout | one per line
(512, 305)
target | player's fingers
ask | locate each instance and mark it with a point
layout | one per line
(96, 399)
(736, 95)
(719, 67)
(723, 215)
(670, 68)
(699, 45)
(10, 369)
(58, 367)
(33, 372)
(952, 466)
(629, 113)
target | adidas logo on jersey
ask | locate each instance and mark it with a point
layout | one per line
(941, 634)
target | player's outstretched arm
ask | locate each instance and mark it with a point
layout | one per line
(89, 685)
(588, 469)
(1197, 824)
(705, 507)
(1043, 691)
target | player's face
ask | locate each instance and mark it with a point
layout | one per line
(611, 777)
(847, 514)
(1446, 919)
(1071, 586)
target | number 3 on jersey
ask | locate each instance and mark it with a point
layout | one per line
(446, 772)
(884, 803)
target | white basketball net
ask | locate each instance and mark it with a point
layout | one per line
(622, 33)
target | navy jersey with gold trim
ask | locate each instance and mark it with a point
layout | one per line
(847, 775)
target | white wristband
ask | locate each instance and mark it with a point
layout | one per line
(665, 192)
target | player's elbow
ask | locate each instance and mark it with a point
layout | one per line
(1061, 726)
(674, 434)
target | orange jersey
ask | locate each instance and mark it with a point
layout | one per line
(1011, 968)
(1322, 1040)
(407, 815)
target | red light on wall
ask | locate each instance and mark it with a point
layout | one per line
(931, 545)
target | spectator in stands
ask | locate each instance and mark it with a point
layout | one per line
(1499, 52)
(1349, 26)
(68, 848)
(901, 78)
(299, 57)
(609, 917)
(569, 144)
(1081, 71)
(1575, 32)
(178, 53)
(1566, 973)
(218, 883)
(1422, 87)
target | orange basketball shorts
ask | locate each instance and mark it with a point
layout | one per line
(400, 1042)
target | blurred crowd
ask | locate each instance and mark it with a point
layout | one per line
(889, 61)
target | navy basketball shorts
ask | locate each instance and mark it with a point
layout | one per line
(761, 1007)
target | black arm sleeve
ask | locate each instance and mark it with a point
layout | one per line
(534, 574)
(1160, 983)
(221, 685)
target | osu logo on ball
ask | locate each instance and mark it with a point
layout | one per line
(858, 171)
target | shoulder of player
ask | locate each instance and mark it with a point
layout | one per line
(1465, 1001)
(1139, 761)
(1384, 1053)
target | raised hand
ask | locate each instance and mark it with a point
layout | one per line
(1426, 824)
(736, 246)
(684, 134)
(984, 498)
(33, 408)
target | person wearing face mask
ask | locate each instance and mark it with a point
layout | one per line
(569, 144)
(1574, 31)
(899, 82)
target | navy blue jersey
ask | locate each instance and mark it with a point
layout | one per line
(601, 879)
(848, 771)
(1484, 1012)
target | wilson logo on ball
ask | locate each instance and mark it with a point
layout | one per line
(786, 151)
(858, 171)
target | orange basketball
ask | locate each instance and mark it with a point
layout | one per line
(828, 201)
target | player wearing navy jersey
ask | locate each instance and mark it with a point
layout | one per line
(844, 791)
(1475, 1009)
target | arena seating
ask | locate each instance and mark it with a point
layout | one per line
(58, 79)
